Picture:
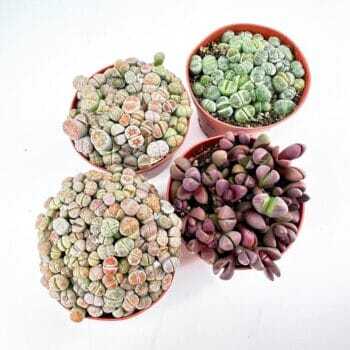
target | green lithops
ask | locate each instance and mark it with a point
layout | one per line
(227, 87)
(209, 64)
(101, 259)
(240, 99)
(209, 105)
(121, 112)
(283, 107)
(260, 77)
(224, 107)
(196, 64)
(212, 92)
(244, 114)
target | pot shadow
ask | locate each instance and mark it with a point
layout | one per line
(187, 257)
(192, 277)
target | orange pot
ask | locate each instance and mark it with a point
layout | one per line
(212, 126)
(199, 148)
(148, 172)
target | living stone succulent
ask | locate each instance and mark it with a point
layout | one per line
(247, 80)
(240, 201)
(108, 244)
(133, 114)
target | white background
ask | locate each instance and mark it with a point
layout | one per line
(43, 45)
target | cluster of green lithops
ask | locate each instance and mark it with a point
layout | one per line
(109, 246)
(247, 80)
(133, 114)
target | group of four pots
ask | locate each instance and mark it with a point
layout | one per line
(211, 126)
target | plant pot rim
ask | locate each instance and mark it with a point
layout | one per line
(148, 171)
(254, 28)
(212, 140)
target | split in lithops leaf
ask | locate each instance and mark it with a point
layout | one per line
(240, 200)
(246, 79)
(132, 114)
(108, 244)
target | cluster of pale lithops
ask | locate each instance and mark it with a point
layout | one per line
(109, 246)
(247, 80)
(133, 114)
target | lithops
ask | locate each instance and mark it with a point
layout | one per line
(103, 257)
(240, 201)
(133, 114)
(246, 79)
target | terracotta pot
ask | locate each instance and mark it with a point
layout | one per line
(148, 172)
(212, 126)
(200, 148)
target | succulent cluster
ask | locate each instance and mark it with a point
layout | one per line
(247, 80)
(133, 113)
(108, 244)
(240, 201)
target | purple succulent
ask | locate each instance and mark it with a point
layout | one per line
(201, 195)
(240, 201)
(255, 220)
(225, 267)
(266, 176)
(211, 176)
(273, 207)
(292, 152)
(226, 218)
(249, 238)
(230, 240)
(262, 156)
(292, 174)
(281, 235)
(192, 180)
(178, 169)
(219, 158)
(245, 180)
(267, 256)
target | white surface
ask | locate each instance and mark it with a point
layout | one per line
(43, 45)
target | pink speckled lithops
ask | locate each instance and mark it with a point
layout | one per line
(136, 141)
(146, 68)
(130, 206)
(159, 96)
(158, 149)
(101, 140)
(109, 199)
(166, 281)
(84, 145)
(155, 106)
(152, 79)
(131, 104)
(74, 129)
(137, 277)
(110, 265)
(134, 257)
(152, 116)
(132, 131)
(169, 106)
(124, 120)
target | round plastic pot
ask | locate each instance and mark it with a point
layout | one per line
(148, 172)
(198, 149)
(212, 126)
